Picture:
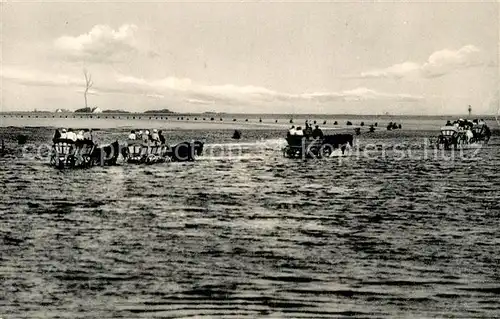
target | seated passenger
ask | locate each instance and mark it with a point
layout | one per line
(317, 132)
(132, 136)
(155, 138)
(308, 130)
(71, 135)
(64, 134)
(79, 136)
(299, 131)
(162, 138)
(292, 131)
(57, 136)
(87, 135)
(145, 137)
(448, 123)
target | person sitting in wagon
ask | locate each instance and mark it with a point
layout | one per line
(317, 132)
(308, 130)
(145, 137)
(79, 136)
(64, 134)
(162, 138)
(87, 137)
(299, 131)
(132, 136)
(79, 142)
(57, 136)
(155, 138)
(71, 135)
(292, 131)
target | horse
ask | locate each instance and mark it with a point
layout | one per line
(469, 137)
(185, 151)
(338, 141)
(106, 155)
(483, 135)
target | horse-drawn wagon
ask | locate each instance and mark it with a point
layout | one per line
(83, 154)
(448, 137)
(138, 152)
(67, 154)
(481, 132)
(452, 137)
(307, 147)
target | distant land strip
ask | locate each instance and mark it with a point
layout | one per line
(228, 116)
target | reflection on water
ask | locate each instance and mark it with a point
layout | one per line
(258, 236)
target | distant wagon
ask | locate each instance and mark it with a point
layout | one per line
(452, 137)
(67, 154)
(482, 133)
(308, 147)
(137, 152)
(82, 154)
(448, 138)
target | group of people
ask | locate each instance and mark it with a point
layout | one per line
(467, 129)
(465, 125)
(69, 135)
(155, 137)
(307, 132)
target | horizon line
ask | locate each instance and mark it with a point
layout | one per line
(206, 113)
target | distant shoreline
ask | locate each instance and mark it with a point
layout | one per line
(47, 114)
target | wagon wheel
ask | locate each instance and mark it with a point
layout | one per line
(326, 150)
(87, 160)
(78, 161)
(314, 152)
(286, 151)
(440, 143)
(53, 160)
(298, 153)
(71, 161)
(60, 163)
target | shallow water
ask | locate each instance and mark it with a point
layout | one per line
(252, 236)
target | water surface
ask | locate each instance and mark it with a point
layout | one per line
(257, 236)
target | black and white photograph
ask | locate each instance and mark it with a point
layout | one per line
(249, 159)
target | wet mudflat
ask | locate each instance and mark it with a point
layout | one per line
(244, 232)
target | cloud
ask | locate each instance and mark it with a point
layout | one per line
(395, 71)
(196, 101)
(438, 64)
(35, 78)
(362, 94)
(203, 94)
(100, 44)
(194, 93)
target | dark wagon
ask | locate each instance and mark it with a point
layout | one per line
(307, 147)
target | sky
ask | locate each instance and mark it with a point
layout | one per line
(252, 57)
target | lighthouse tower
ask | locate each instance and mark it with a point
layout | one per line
(470, 109)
